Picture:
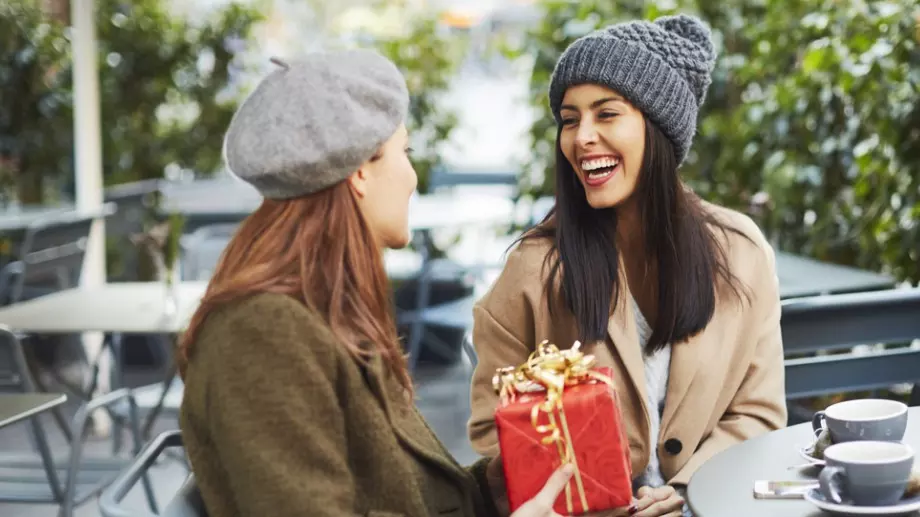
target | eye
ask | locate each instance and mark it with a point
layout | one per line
(569, 121)
(605, 115)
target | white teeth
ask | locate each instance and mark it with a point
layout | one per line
(590, 165)
(599, 175)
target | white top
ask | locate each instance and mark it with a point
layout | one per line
(657, 370)
(657, 367)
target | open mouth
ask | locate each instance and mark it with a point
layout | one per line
(599, 170)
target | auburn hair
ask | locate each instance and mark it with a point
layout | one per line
(319, 250)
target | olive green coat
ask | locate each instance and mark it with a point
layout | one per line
(278, 419)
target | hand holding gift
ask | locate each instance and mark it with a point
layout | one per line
(542, 504)
(557, 409)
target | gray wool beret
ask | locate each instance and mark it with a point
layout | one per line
(312, 122)
(662, 67)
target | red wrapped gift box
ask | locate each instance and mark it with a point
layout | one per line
(589, 428)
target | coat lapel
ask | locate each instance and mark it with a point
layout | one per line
(686, 359)
(408, 425)
(621, 327)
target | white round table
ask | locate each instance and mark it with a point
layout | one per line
(724, 485)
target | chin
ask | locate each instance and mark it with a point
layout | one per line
(397, 243)
(602, 200)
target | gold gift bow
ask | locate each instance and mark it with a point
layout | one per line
(551, 370)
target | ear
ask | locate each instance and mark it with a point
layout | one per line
(358, 182)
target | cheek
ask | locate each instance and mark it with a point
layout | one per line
(566, 143)
(631, 143)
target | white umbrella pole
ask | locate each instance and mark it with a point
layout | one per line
(88, 160)
(87, 134)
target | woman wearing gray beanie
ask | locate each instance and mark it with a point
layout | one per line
(678, 296)
(297, 396)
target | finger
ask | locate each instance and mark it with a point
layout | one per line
(663, 492)
(673, 504)
(644, 491)
(643, 503)
(556, 482)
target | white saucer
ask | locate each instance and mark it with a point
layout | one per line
(803, 452)
(906, 507)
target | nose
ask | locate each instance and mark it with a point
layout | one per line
(586, 135)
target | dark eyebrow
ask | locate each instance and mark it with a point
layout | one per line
(594, 105)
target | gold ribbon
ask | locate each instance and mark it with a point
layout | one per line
(551, 370)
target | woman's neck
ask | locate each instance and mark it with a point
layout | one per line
(630, 240)
(639, 268)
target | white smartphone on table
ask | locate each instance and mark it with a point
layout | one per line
(782, 489)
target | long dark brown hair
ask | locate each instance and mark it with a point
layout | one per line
(318, 250)
(680, 245)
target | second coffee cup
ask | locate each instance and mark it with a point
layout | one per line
(863, 419)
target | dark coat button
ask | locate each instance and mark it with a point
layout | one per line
(673, 446)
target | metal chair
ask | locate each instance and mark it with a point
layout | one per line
(837, 323)
(52, 251)
(67, 480)
(50, 258)
(134, 202)
(186, 503)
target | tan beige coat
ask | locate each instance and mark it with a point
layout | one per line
(725, 385)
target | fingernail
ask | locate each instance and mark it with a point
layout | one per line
(568, 469)
(633, 509)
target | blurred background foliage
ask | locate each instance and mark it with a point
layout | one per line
(429, 57)
(169, 85)
(812, 124)
(164, 96)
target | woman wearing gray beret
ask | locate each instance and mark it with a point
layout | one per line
(297, 396)
(678, 296)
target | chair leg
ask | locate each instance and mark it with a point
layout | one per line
(81, 419)
(118, 426)
(155, 410)
(31, 380)
(48, 464)
(116, 381)
(138, 445)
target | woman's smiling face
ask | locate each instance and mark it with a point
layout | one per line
(603, 138)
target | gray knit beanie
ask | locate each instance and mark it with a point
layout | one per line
(312, 122)
(663, 68)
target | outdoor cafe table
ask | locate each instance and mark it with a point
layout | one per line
(113, 308)
(724, 485)
(123, 307)
(15, 407)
